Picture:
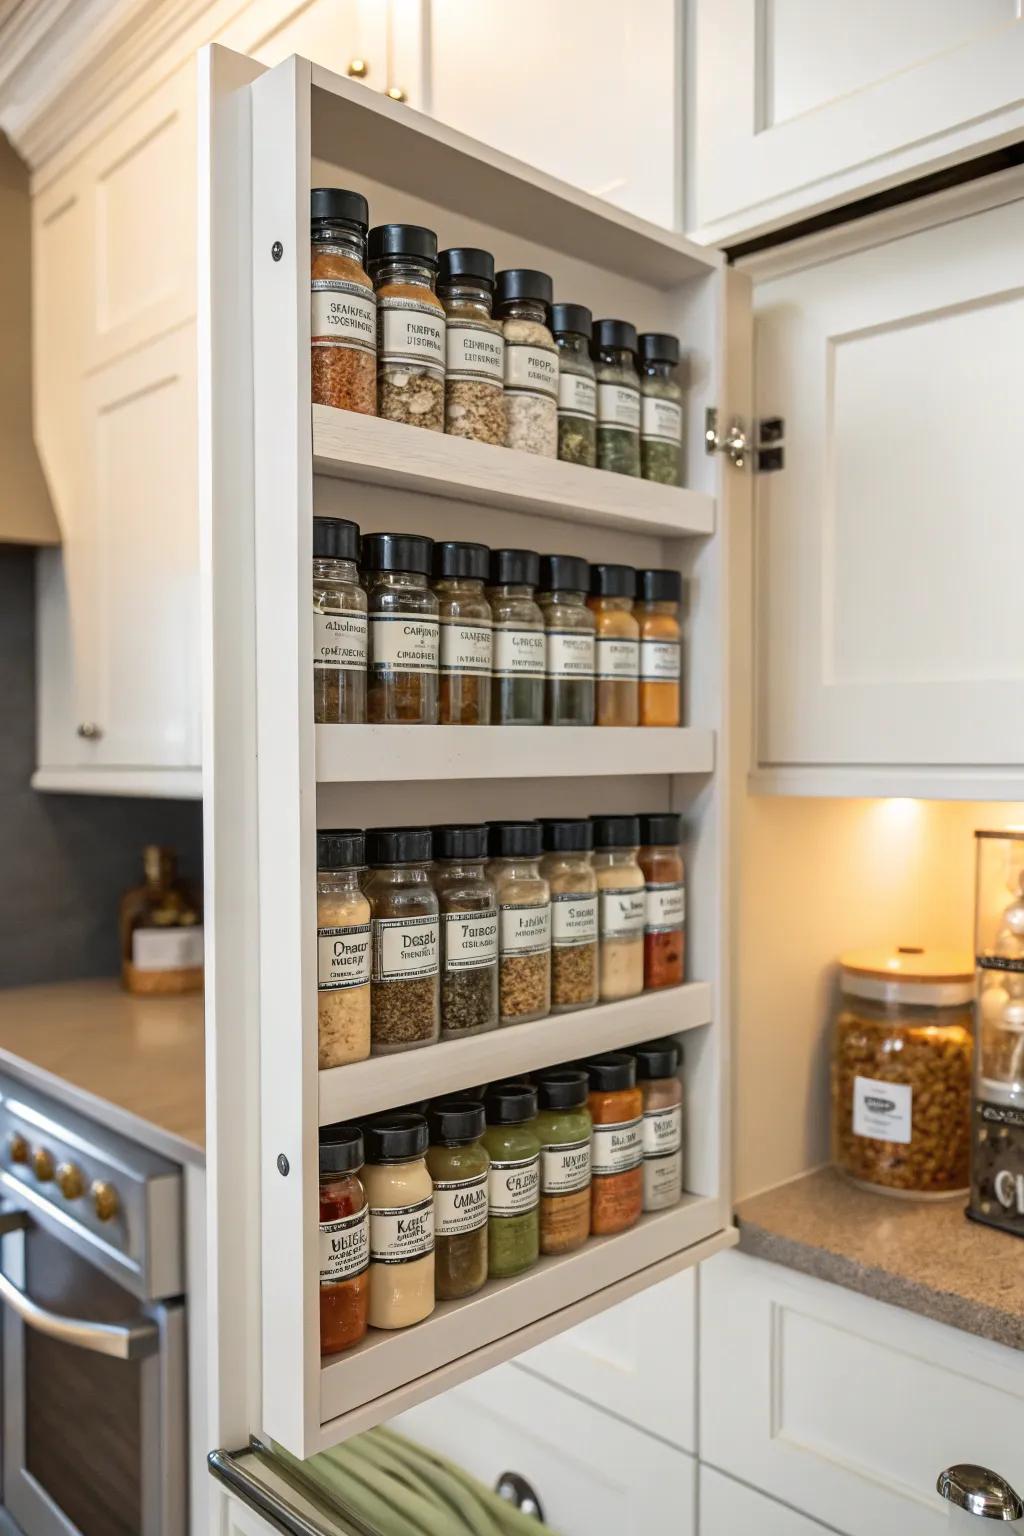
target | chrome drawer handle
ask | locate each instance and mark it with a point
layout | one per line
(121, 1341)
(979, 1491)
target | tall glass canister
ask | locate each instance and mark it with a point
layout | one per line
(997, 1112)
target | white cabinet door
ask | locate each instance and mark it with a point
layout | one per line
(728, 1508)
(804, 104)
(888, 613)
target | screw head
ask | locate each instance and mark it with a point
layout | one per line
(277, 250)
(283, 1165)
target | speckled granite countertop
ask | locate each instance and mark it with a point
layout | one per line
(926, 1257)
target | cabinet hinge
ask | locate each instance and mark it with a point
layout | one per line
(769, 453)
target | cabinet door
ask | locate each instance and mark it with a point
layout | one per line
(728, 1508)
(888, 616)
(800, 105)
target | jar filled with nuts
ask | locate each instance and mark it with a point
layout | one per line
(901, 1070)
(410, 325)
(474, 397)
(523, 305)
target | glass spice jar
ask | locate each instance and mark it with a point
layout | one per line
(343, 950)
(474, 390)
(617, 647)
(344, 1241)
(661, 409)
(343, 319)
(339, 624)
(567, 868)
(513, 1183)
(404, 632)
(616, 1151)
(659, 595)
(517, 692)
(523, 305)
(569, 627)
(404, 995)
(400, 1195)
(459, 1167)
(469, 932)
(460, 571)
(572, 328)
(618, 397)
(564, 1132)
(410, 325)
(658, 1065)
(621, 906)
(661, 860)
(524, 921)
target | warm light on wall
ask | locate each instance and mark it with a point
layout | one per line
(898, 813)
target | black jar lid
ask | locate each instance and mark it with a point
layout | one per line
(335, 205)
(460, 842)
(341, 1149)
(574, 318)
(658, 1058)
(344, 849)
(397, 552)
(616, 335)
(510, 1103)
(523, 283)
(658, 347)
(455, 1121)
(395, 1138)
(659, 586)
(659, 828)
(410, 240)
(452, 558)
(562, 1088)
(615, 831)
(335, 538)
(468, 262)
(514, 567)
(564, 573)
(515, 839)
(567, 834)
(398, 845)
(612, 580)
(610, 1073)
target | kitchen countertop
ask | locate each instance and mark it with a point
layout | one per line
(136, 1063)
(922, 1255)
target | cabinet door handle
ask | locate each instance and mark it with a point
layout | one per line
(980, 1491)
(90, 731)
(358, 69)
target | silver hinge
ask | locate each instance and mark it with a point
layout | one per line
(769, 453)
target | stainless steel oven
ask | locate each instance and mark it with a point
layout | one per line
(91, 1283)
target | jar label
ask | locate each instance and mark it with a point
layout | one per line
(401, 1234)
(569, 653)
(339, 640)
(344, 1247)
(616, 1148)
(533, 369)
(513, 1187)
(518, 652)
(574, 919)
(565, 1167)
(617, 658)
(474, 351)
(525, 930)
(343, 957)
(881, 1111)
(410, 332)
(623, 913)
(167, 949)
(663, 1181)
(403, 643)
(663, 1131)
(659, 661)
(618, 405)
(404, 947)
(460, 1206)
(577, 395)
(343, 314)
(466, 646)
(470, 939)
(666, 908)
(661, 420)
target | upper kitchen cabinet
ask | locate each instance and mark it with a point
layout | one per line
(801, 105)
(379, 42)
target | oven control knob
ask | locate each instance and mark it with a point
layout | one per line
(104, 1200)
(70, 1180)
(42, 1165)
(17, 1148)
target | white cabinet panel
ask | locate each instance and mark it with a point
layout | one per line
(728, 1508)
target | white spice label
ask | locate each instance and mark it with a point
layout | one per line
(518, 652)
(343, 314)
(339, 640)
(569, 653)
(661, 420)
(881, 1111)
(513, 1188)
(474, 352)
(466, 646)
(616, 1148)
(403, 643)
(618, 406)
(533, 369)
(577, 395)
(666, 908)
(401, 1234)
(565, 1167)
(663, 1131)
(573, 919)
(617, 658)
(408, 332)
(343, 957)
(659, 661)
(622, 913)
(167, 949)
(663, 1181)
(460, 1206)
(525, 930)
(404, 947)
(470, 939)
(344, 1247)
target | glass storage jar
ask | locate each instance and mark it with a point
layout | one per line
(459, 1167)
(617, 645)
(344, 1240)
(621, 906)
(572, 328)
(568, 869)
(564, 1131)
(618, 397)
(661, 860)
(997, 1116)
(339, 624)
(460, 571)
(517, 689)
(661, 409)
(659, 594)
(400, 1195)
(523, 305)
(901, 1070)
(616, 1150)
(410, 325)
(513, 1183)
(469, 932)
(658, 1065)
(524, 921)
(343, 309)
(569, 627)
(404, 631)
(474, 379)
(405, 1007)
(343, 949)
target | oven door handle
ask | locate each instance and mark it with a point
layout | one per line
(121, 1341)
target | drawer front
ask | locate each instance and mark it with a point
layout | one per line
(728, 1508)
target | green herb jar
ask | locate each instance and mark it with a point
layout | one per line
(618, 397)
(564, 1130)
(513, 1184)
(572, 327)
(459, 1167)
(661, 409)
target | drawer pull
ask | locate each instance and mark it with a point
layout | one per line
(980, 1491)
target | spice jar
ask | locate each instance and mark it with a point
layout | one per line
(404, 995)
(517, 693)
(474, 390)
(460, 571)
(344, 1241)
(523, 304)
(459, 1167)
(572, 327)
(410, 325)
(616, 1151)
(901, 1070)
(567, 868)
(657, 1071)
(403, 629)
(568, 640)
(343, 950)
(661, 860)
(661, 409)
(339, 624)
(621, 906)
(659, 594)
(513, 1184)
(617, 648)
(401, 1200)
(563, 1130)
(469, 932)
(618, 397)
(524, 921)
(343, 319)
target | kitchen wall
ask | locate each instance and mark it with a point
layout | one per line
(64, 859)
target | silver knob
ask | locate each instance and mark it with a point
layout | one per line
(518, 1492)
(90, 732)
(980, 1492)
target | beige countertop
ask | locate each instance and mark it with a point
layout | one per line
(136, 1063)
(925, 1256)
